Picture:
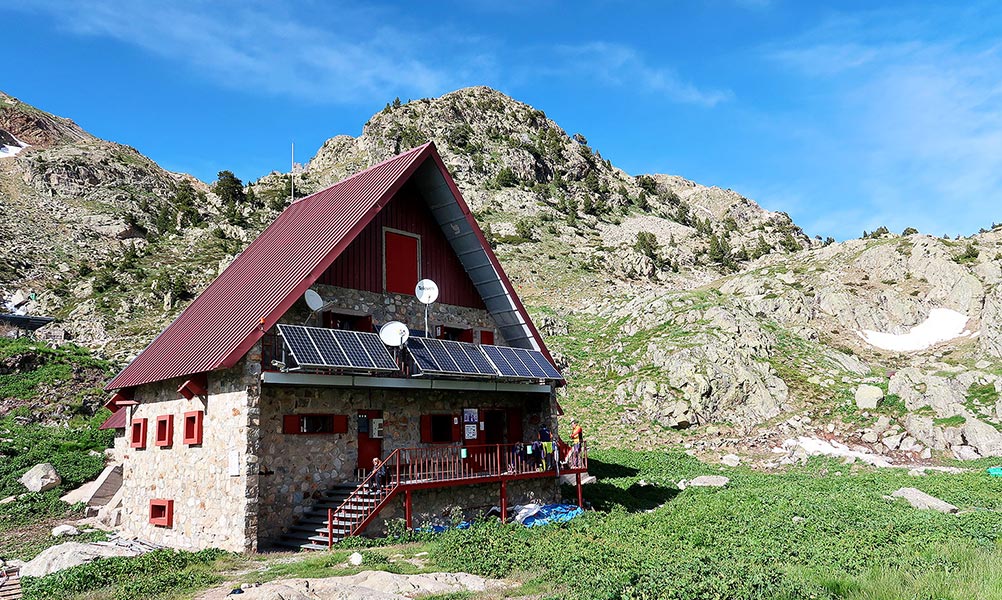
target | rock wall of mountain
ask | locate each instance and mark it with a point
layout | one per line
(675, 307)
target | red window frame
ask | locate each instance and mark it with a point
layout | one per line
(192, 434)
(164, 433)
(398, 277)
(162, 512)
(294, 424)
(137, 434)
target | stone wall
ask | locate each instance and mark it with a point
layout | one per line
(296, 467)
(209, 483)
(399, 307)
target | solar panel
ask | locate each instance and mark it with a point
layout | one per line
(329, 348)
(460, 353)
(301, 346)
(422, 357)
(530, 363)
(516, 363)
(353, 349)
(495, 356)
(479, 359)
(377, 351)
(550, 371)
(337, 349)
(445, 362)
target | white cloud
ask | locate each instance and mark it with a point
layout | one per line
(265, 46)
(915, 117)
(619, 65)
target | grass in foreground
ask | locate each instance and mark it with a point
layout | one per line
(647, 539)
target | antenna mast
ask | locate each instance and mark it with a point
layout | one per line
(292, 175)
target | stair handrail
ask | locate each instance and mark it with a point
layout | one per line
(366, 487)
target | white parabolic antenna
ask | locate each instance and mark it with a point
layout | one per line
(426, 291)
(313, 300)
(394, 333)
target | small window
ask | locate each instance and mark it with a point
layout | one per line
(314, 424)
(487, 336)
(456, 334)
(162, 512)
(439, 429)
(333, 320)
(165, 431)
(193, 428)
(137, 434)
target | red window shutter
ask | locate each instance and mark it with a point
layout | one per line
(162, 512)
(364, 324)
(400, 262)
(137, 438)
(340, 423)
(290, 424)
(487, 337)
(466, 335)
(457, 428)
(165, 431)
(426, 429)
(193, 428)
(515, 425)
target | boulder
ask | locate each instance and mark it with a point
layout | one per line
(69, 555)
(41, 478)
(731, 460)
(709, 481)
(893, 441)
(924, 501)
(61, 530)
(867, 396)
(870, 437)
(355, 559)
(965, 453)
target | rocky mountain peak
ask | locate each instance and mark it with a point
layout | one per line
(36, 127)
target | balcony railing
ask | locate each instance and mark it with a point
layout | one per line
(419, 468)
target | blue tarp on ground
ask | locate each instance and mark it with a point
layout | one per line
(533, 515)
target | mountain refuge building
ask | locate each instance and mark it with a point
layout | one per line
(271, 411)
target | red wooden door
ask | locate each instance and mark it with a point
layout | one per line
(368, 447)
(401, 263)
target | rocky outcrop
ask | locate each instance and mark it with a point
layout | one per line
(69, 555)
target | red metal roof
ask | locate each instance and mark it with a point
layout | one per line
(115, 421)
(261, 284)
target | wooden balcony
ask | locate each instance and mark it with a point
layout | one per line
(409, 469)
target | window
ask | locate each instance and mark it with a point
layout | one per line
(439, 429)
(193, 428)
(401, 256)
(487, 336)
(165, 431)
(333, 320)
(162, 512)
(314, 424)
(137, 434)
(458, 334)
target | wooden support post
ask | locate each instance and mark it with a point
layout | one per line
(330, 528)
(407, 509)
(504, 501)
(580, 498)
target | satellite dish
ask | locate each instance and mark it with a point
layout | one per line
(426, 291)
(313, 300)
(394, 333)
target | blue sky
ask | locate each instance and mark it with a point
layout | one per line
(844, 115)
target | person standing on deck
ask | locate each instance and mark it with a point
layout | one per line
(577, 439)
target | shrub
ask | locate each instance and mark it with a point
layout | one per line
(506, 178)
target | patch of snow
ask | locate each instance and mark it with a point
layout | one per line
(942, 325)
(8, 150)
(815, 447)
